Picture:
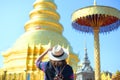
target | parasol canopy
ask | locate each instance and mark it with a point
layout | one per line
(103, 18)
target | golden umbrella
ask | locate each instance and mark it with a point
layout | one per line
(96, 19)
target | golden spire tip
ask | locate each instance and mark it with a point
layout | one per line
(95, 2)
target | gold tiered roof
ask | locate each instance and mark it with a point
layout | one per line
(44, 16)
(43, 27)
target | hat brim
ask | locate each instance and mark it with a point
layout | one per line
(63, 57)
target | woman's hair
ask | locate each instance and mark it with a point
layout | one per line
(58, 63)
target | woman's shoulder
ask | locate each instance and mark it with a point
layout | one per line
(68, 66)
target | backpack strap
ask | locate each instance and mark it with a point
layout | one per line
(59, 75)
(60, 70)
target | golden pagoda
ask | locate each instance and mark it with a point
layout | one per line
(42, 31)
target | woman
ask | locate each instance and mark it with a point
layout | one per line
(56, 68)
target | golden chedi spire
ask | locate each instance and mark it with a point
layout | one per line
(42, 31)
(95, 3)
(44, 16)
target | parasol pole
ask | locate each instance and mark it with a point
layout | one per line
(97, 54)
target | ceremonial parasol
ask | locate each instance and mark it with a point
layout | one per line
(96, 19)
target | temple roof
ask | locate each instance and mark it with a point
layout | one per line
(86, 67)
(86, 63)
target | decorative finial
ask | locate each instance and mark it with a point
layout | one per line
(95, 2)
(85, 44)
(86, 57)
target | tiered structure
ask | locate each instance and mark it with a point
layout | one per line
(42, 31)
(85, 72)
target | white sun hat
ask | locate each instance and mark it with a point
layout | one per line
(58, 53)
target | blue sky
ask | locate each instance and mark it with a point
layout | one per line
(15, 13)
